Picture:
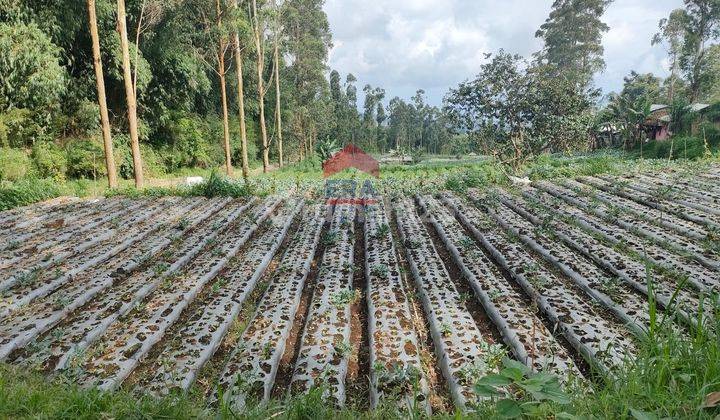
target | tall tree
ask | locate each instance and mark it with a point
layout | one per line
(130, 95)
(102, 99)
(241, 96)
(221, 52)
(276, 59)
(672, 30)
(307, 40)
(259, 37)
(702, 25)
(573, 39)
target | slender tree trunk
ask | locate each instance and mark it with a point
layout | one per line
(137, 45)
(261, 87)
(102, 101)
(278, 114)
(673, 72)
(130, 93)
(241, 106)
(223, 94)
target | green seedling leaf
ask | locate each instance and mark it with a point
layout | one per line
(509, 409)
(486, 391)
(494, 380)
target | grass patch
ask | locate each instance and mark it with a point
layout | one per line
(26, 192)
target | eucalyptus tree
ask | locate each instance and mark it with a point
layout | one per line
(241, 27)
(223, 47)
(278, 35)
(573, 39)
(102, 98)
(702, 26)
(306, 47)
(671, 32)
(130, 94)
(259, 28)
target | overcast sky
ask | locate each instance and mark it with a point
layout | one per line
(405, 45)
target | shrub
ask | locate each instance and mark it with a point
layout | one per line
(14, 164)
(49, 160)
(86, 117)
(152, 161)
(219, 186)
(32, 78)
(187, 144)
(85, 159)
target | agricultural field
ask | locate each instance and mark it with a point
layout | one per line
(417, 301)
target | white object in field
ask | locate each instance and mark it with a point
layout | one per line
(194, 180)
(520, 181)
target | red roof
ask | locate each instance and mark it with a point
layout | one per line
(351, 157)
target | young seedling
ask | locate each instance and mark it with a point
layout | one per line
(343, 349)
(330, 239)
(383, 231)
(445, 329)
(380, 270)
(345, 297)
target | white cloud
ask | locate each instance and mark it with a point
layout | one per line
(405, 45)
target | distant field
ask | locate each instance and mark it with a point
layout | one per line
(403, 298)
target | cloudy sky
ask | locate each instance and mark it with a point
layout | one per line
(404, 45)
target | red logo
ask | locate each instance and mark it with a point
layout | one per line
(347, 191)
(351, 157)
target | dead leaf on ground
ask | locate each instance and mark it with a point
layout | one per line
(712, 400)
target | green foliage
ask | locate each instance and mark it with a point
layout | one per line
(85, 159)
(27, 192)
(219, 186)
(686, 147)
(187, 144)
(32, 76)
(517, 112)
(553, 166)
(18, 128)
(573, 38)
(518, 391)
(14, 164)
(50, 161)
(326, 149)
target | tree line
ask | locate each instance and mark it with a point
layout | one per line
(176, 83)
(129, 88)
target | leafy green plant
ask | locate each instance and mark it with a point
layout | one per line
(330, 238)
(518, 391)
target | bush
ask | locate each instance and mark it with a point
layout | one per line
(19, 129)
(86, 118)
(50, 161)
(26, 192)
(186, 144)
(32, 78)
(14, 164)
(153, 164)
(85, 159)
(219, 186)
